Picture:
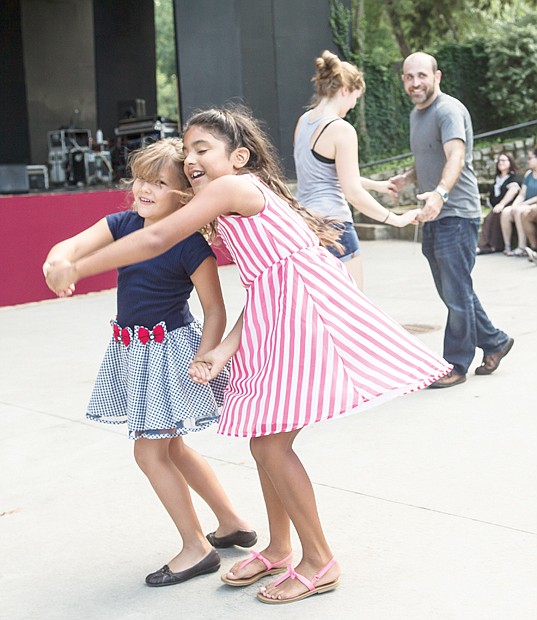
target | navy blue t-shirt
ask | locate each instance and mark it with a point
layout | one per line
(156, 289)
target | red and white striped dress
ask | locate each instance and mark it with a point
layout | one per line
(313, 346)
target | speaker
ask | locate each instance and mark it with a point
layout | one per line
(131, 108)
(13, 179)
(37, 177)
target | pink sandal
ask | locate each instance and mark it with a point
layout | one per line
(312, 588)
(271, 569)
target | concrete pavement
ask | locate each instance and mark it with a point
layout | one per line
(429, 501)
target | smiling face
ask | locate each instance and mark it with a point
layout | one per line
(421, 79)
(155, 200)
(207, 157)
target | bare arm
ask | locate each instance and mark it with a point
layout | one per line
(511, 192)
(207, 284)
(207, 366)
(521, 196)
(383, 187)
(402, 180)
(454, 151)
(90, 240)
(227, 194)
(347, 167)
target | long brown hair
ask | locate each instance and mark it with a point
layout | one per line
(238, 128)
(513, 168)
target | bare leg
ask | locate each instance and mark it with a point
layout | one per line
(152, 456)
(529, 221)
(277, 458)
(506, 223)
(201, 478)
(517, 216)
(355, 269)
(279, 545)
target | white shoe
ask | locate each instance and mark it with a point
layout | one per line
(532, 255)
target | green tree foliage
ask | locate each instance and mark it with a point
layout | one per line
(421, 24)
(382, 120)
(486, 50)
(511, 79)
(167, 92)
(494, 75)
(464, 69)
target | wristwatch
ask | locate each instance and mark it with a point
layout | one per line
(444, 195)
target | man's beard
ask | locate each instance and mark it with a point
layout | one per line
(422, 96)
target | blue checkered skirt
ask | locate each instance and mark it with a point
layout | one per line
(148, 387)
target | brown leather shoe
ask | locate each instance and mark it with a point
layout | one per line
(492, 361)
(449, 380)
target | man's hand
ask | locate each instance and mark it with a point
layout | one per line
(432, 207)
(399, 182)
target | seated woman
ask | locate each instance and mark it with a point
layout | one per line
(502, 193)
(525, 201)
(529, 224)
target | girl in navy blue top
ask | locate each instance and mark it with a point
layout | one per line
(143, 379)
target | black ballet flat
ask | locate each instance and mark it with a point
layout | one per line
(165, 577)
(241, 538)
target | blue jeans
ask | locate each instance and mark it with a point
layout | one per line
(449, 244)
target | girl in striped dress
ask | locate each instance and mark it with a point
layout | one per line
(308, 346)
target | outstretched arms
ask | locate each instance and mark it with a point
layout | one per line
(90, 240)
(227, 194)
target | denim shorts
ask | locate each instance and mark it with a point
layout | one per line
(349, 240)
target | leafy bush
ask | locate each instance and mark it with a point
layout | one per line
(464, 76)
(494, 74)
(511, 79)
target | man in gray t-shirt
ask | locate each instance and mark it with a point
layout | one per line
(441, 139)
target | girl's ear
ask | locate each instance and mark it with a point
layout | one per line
(240, 157)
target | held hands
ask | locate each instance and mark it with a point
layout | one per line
(204, 368)
(408, 217)
(398, 182)
(60, 277)
(432, 207)
(388, 187)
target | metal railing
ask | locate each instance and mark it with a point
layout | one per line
(486, 134)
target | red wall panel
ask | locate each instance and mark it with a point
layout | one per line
(31, 224)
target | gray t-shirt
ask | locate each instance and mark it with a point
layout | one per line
(445, 119)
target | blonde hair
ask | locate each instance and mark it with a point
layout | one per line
(331, 74)
(236, 126)
(149, 161)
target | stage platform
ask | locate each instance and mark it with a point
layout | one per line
(31, 224)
